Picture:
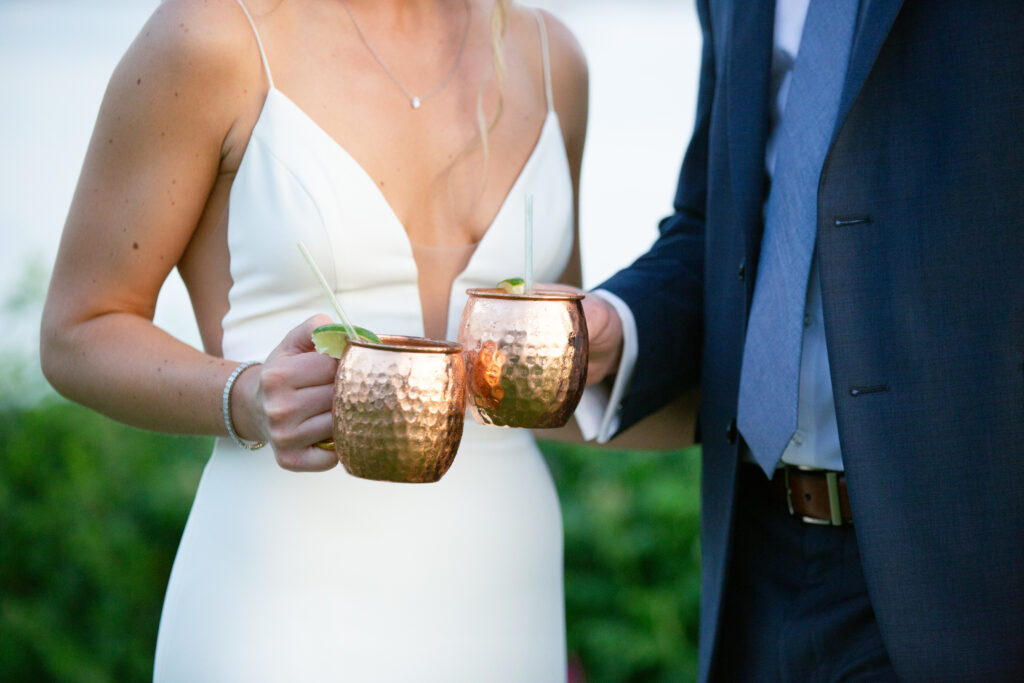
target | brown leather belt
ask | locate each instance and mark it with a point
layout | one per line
(816, 496)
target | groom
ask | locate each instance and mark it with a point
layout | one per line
(844, 277)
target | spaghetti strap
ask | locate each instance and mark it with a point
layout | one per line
(259, 44)
(546, 54)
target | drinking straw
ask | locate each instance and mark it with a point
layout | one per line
(350, 330)
(529, 244)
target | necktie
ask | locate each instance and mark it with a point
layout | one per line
(770, 374)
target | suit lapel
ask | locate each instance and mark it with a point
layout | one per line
(748, 61)
(877, 17)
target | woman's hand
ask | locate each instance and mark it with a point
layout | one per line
(287, 401)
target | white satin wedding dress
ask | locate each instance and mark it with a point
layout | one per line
(326, 577)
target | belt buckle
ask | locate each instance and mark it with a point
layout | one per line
(831, 483)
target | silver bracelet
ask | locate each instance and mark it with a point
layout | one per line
(225, 404)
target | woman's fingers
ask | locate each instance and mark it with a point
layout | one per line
(300, 339)
(291, 372)
(309, 459)
(289, 412)
(294, 440)
(301, 454)
(296, 388)
(295, 363)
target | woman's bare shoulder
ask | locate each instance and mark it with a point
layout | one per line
(205, 42)
(568, 62)
(569, 79)
(194, 69)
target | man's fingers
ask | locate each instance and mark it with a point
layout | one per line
(605, 330)
(601, 318)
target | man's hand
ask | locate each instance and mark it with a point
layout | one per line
(604, 327)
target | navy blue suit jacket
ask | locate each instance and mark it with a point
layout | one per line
(921, 250)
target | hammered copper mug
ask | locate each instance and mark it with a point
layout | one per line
(526, 356)
(399, 408)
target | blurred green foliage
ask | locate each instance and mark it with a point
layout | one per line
(90, 516)
(632, 560)
(91, 513)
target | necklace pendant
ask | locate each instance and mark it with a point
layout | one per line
(415, 102)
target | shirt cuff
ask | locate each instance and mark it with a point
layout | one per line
(600, 408)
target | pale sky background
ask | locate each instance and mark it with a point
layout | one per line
(57, 55)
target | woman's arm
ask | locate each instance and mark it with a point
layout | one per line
(151, 164)
(168, 121)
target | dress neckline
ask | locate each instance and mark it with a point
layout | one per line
(267, 131)
(550, 121)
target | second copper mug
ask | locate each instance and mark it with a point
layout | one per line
(526, 356)
(399, 408)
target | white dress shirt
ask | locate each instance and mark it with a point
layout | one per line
(816, 440)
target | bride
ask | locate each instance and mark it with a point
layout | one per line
(398, 139)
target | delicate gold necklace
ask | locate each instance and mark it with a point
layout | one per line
(414, 101)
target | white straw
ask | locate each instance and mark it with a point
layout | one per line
(529, 244)
(349, 329)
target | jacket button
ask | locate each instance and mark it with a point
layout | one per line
(730, 432)
(742, 271)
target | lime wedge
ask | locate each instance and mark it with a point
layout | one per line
(332, 338)
(513, 285)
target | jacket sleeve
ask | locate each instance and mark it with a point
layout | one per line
(664, 287)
